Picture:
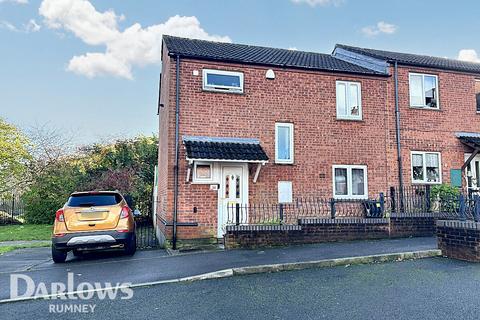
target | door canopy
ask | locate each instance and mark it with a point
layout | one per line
(224, 149)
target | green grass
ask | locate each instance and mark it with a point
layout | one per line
(5, 249)
(25, 232)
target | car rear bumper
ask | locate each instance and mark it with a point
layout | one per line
(92, 240)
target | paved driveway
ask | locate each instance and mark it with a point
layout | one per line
(157, 265)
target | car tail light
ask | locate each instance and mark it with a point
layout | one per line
(57, 235)
(124, 213)
(59, 215)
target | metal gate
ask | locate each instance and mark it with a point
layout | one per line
(146, 238)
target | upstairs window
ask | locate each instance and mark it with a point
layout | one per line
(477, 94)
(222, 81)
(423, 90)
(349, 100)
(350, 182)
(284, 143)
(426, 167)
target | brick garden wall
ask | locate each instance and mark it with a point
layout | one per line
(328, 230)
(459, 239)
(420, 225)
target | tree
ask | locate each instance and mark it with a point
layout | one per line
(14, 157)
(124, 165)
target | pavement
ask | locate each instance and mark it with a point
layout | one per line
(158, 265)
(434, 288)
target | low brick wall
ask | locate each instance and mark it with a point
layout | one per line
(408, 225)
(307, 231)
(459, 239)
(318, 230)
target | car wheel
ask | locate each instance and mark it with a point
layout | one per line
(58, 256)
(131, 246)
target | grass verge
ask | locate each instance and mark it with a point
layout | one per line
(5, 249)
(25, 232)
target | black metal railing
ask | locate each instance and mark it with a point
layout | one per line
(412, 200)
(422, 199)
(301, 208)
(11, 210)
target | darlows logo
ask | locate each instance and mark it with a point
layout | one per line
(24, 287)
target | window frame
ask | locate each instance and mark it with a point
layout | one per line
(347, 100)
(220, 88)
(424, 181)
(422, 106)
(197, 180)
(349, 168)
(291, 141)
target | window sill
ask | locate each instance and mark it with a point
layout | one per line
(350, 119)
(223, 91)
(425, 183)
(284, 163)
(347, 197)
(204, 182)
(425, 108)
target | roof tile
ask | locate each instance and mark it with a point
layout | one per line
(241, 53)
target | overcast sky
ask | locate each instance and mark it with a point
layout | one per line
(92, 67)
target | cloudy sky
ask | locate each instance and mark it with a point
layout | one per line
(92, 67)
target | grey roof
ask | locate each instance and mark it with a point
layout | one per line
(416, 59)
(241, 53)
(224, 149)
(471, 139)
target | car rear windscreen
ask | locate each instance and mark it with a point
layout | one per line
(91, 200)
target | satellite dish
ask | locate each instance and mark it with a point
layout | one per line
(270, 74)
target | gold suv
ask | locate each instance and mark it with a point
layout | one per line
(93, 220)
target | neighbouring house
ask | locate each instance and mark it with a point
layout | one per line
(247, 124)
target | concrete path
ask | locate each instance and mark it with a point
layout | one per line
(157, 265)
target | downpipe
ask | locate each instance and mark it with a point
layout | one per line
(398, 140)
(177, 151)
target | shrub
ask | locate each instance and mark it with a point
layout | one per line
(446, 196)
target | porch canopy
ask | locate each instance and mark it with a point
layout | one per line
(220, 149)
(472, 140)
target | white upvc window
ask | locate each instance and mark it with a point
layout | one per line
(350, 182)
(222, 81)
(203, 172)
(349, 100)
(284, 143)
(426, 167)
(423, 90)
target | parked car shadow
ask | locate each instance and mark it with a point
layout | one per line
(96, 255)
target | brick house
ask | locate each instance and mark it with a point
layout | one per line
(248, 124)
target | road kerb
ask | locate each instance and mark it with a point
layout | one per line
(269, 268)
(337, 262)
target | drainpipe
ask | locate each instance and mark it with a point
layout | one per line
(397, 127)
(177, 151)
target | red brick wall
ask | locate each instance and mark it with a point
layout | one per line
(166, 139)
(305, 98)
(433, 130)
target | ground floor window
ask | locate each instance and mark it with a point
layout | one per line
(426, 167)
(202, 172)
(350, 181)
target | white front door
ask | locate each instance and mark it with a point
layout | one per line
(473, 172)
(233, 190)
